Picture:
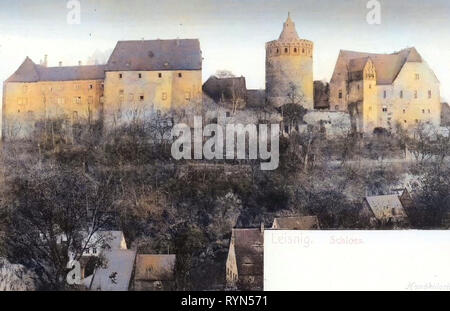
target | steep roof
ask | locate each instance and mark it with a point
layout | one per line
(386, 206)
(289, 32)
(28, 71)
(149, 55)
(116, 275)
(387, 66)
(249, 250)
(296, 223)
(155, 267)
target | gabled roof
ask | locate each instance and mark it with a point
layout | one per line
(296, 223)
(150, 55)
(155, 267)
(387, 66)
(386, 206)
(116, 276)
(27, 72)
(249, 250)
(31, 72)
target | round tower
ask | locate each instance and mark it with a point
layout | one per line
(289, 69)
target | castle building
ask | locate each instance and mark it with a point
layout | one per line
(37, 92)
(385, 90)
(289, 69)
(150, 75)
(140, 77)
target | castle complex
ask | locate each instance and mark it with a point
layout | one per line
(289, 69)
(385, 90)
(147, 76)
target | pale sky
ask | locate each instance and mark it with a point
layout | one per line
(232, 33)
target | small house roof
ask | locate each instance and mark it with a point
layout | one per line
(155, 267)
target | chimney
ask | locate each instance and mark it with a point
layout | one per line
(262, 227)
(79, 63)
(60, 64)
(45, 60)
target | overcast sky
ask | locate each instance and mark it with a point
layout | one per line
(232, 33)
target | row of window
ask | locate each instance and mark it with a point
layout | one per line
(385, 109)
(416, 94)
(60, 87)
(164, 96)
(295, 50)
(160, 75)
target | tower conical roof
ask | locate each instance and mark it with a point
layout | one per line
(289, 33)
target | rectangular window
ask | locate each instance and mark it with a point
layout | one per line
(336, 107)
(75, 116)
(401, 94)
(90, 100)
(340, 94)
(120, 76)
(159, 75)
(385, 109)
(423, 110)
(180, 75)
(76, 86)
(384, 94)
(25, 88)
(415, 94)
(429, 94)
(140, 76)
(91, 86)
(417, 76)
(141, 98)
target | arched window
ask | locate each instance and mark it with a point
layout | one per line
(286, 50)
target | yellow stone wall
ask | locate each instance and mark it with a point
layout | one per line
(394, 104)
(26, 103)
(286, 63)
(147, 91)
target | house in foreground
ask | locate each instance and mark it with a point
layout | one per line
(154, 272)
(384, 210)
